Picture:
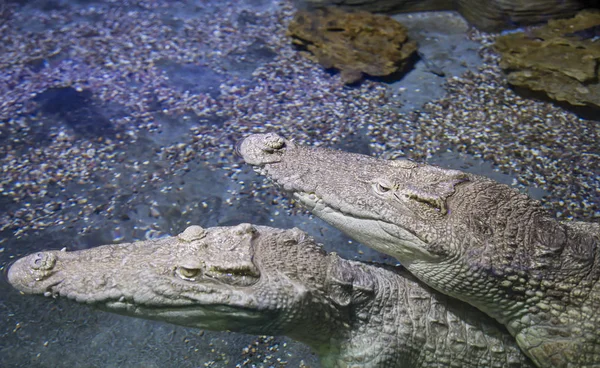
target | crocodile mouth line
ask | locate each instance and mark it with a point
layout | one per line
(57, 293)
(132, 307)
(311, 200)
(52, 292)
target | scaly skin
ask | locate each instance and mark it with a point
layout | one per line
(262, 280)
(465, 235)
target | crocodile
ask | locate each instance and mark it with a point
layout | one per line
(465, 235)
(263, 280)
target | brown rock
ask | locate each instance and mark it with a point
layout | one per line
(356, 43)
(561, 59)
(488, 15)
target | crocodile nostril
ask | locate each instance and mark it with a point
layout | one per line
(273, 142)
(43, 261)
(263, 149)
(38, 261)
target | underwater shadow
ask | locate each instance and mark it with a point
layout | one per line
(77, 110)
(408, 66)
(584, 112)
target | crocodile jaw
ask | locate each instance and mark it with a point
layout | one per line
(116, 278)
(380, 235)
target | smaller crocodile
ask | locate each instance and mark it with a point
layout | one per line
(262, 280)
(466, 235)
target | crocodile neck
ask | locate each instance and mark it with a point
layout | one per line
(393, 309)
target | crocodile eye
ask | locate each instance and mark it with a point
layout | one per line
(187, 273)
(382, 187)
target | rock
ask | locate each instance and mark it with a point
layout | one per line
(487, 15)
(560, 59)
(356, 43)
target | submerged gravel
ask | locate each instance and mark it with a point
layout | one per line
(134, 69)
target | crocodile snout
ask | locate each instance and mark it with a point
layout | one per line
(262, 149)
(29, 273)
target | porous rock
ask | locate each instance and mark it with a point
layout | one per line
(356, 43)
(487, 15)
(560, 59)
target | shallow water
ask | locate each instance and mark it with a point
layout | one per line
(118, 121)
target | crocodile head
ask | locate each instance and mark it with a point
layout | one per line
(208, 278)
(396, 207)
(467, 236)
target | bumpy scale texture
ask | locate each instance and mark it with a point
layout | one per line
(463, 234)
(262, 280)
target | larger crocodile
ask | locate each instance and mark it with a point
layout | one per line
(262, 280)
(463, 234)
